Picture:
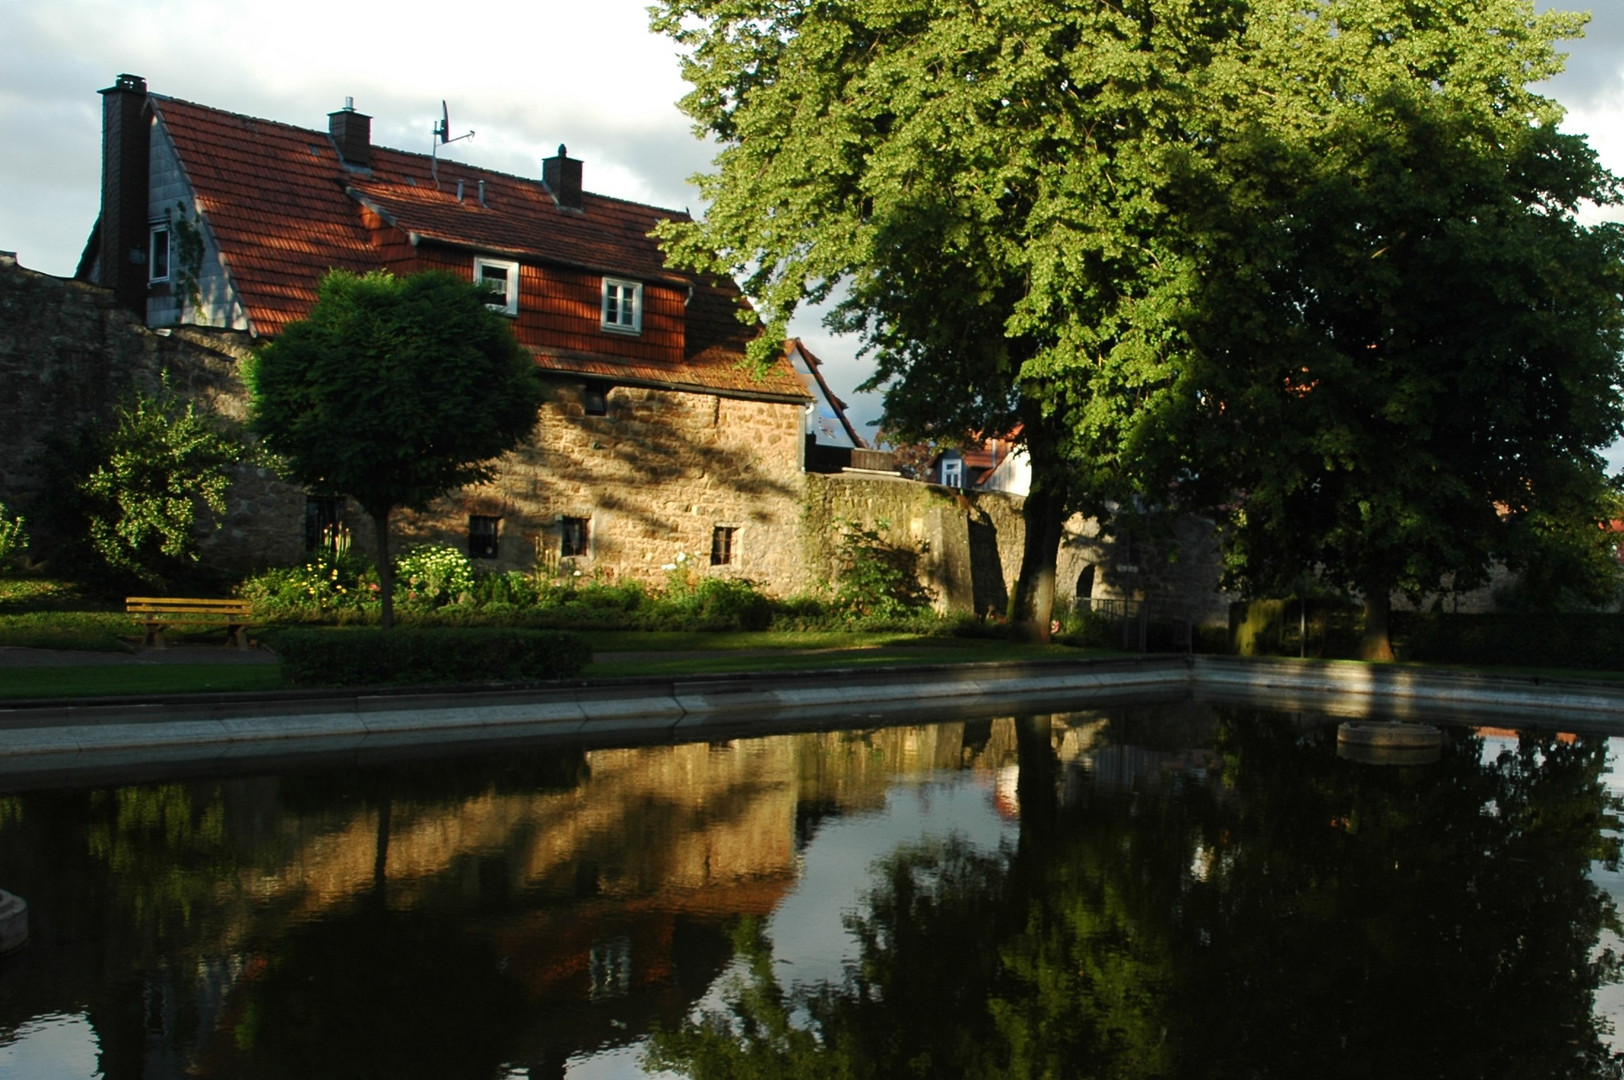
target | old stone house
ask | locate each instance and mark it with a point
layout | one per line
(655, 441)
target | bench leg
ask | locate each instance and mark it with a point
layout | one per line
(154, 637)
(237, 634)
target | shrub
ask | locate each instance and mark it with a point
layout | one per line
(511, 590)
(368, 656)
(877, 578)
(694, 600)
(13, 541)
(332, 583)
(140, 491)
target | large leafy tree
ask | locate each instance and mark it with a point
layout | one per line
(1081, 219)
(976, 185)
(393, 391)
(1409, 346)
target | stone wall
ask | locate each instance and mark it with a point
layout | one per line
(1170, 561)
(69, 354)
(653, 478)
(970, 548)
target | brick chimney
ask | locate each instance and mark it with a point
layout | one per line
(351, 133)
(562, 175)
(126, 138)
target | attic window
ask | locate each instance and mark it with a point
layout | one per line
(501, 278)
(158, 253)
(622, 306)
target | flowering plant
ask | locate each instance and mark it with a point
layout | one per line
(433, 576)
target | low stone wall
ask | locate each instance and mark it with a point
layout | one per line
(970, 547)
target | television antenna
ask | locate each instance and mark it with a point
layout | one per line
(442, 135)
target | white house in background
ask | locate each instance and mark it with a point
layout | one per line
(1012, 475)
(994, 465)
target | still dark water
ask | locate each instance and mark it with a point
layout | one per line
(1178, 891)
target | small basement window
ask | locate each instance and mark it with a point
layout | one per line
(595, 399)
(482, 536)
(158, 254)
(501, 278)
(724, 545)
(622, 306)
(574, 536)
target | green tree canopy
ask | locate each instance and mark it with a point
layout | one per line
(393, 391)
(981, 180)
(1054, 217)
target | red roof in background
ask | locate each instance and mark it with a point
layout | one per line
(284, 210)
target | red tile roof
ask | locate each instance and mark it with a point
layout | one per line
(284, 209)
(813, 364)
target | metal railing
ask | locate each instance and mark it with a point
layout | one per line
(1135, 629)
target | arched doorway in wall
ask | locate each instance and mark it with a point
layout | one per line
(1085, 586)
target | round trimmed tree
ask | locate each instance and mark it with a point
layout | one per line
(393, 391)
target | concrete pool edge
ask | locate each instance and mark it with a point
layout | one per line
(64, 738)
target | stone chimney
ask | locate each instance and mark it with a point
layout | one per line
(562, 175)
(351, 133)
(126, 138)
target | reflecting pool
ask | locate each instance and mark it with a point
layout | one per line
(1186, 890)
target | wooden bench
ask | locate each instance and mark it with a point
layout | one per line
(157, 613)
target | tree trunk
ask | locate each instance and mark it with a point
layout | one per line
(1032, 606)
(386, 569)
(1038, 769)
(1377, 644)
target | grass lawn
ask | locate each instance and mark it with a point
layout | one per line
(808, 652)
(706, 653)
(99, 679)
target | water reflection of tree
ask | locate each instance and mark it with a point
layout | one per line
(1306, 917)
(1432, 921)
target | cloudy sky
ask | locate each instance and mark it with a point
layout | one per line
(525, 75)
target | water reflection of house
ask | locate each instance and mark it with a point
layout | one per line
(601, 905)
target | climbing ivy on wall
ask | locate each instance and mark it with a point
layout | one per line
(187, 257)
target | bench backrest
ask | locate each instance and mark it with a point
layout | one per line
(177, 605)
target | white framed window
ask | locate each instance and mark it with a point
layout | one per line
(501, 278)
(953, 472)
(622, 306)
(158, 253)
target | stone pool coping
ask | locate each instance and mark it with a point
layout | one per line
(63, 739)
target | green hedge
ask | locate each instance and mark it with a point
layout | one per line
(1588, 641)
(369, 656)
